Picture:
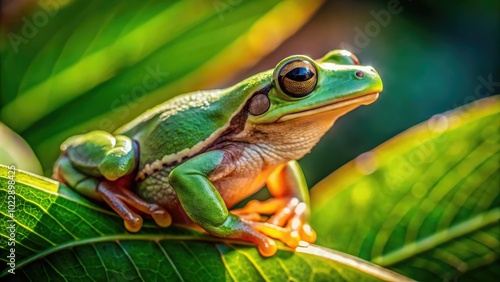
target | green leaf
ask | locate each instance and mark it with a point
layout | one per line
(61, 236)
(98, 64)
(14, 150)
(426, 203)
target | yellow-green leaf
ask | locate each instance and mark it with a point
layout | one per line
(98, 64)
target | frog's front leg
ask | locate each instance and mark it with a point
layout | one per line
(289, 206)
(204, 205)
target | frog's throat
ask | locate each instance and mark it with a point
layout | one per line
(352, 103)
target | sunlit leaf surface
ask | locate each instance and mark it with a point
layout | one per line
(61, 236)
(426, 203)
(98, 64)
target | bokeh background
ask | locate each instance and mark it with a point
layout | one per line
(433, 56)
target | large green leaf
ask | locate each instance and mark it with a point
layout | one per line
(426, 203)
(60, 236)
(98, 64)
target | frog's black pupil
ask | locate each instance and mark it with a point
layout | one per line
(300, 74)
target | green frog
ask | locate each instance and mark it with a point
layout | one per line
(191, 159)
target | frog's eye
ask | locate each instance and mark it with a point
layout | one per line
(297, 78)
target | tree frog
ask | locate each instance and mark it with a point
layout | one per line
(193, 158)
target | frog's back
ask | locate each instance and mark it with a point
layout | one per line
(182, 126)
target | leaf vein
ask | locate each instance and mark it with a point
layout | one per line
(252, 261)
(101, 260)
(169, 260)
(130, 259)
(224, 262)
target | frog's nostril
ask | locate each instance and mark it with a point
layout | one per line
(359, 74)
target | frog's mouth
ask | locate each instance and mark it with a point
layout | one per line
(344, 106)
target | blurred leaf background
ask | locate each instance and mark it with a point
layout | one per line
(85, 66)
(425, 203)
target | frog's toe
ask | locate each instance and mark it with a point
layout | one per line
(285, 235)
(162, 217)
(249, 232)
(294, 218)
(283, 215)
(132, 223)
(307, 233)
(298, 225)
(267, 247)
(270, 206)
(122, 200)
(251, 216)
(289, 222)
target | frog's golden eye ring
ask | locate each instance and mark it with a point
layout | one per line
(297, 78)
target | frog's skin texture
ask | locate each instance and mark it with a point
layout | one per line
(192, 158)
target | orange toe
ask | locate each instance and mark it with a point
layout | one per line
(162, 218)
(133, 224)
(268, 248)
(307, 234)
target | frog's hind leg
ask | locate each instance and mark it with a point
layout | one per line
(66, 173)
(289, 207)
(120, 199)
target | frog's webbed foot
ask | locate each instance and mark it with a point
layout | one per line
(288, 222)
(124, 202)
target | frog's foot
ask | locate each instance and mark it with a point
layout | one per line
(254, 216)
(235, 227)
(122, 200)
(288, 222)
(269, 206)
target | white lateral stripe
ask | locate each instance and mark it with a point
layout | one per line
(158, 164)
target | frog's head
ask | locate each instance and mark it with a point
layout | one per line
(303, 88)
(306, 97)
